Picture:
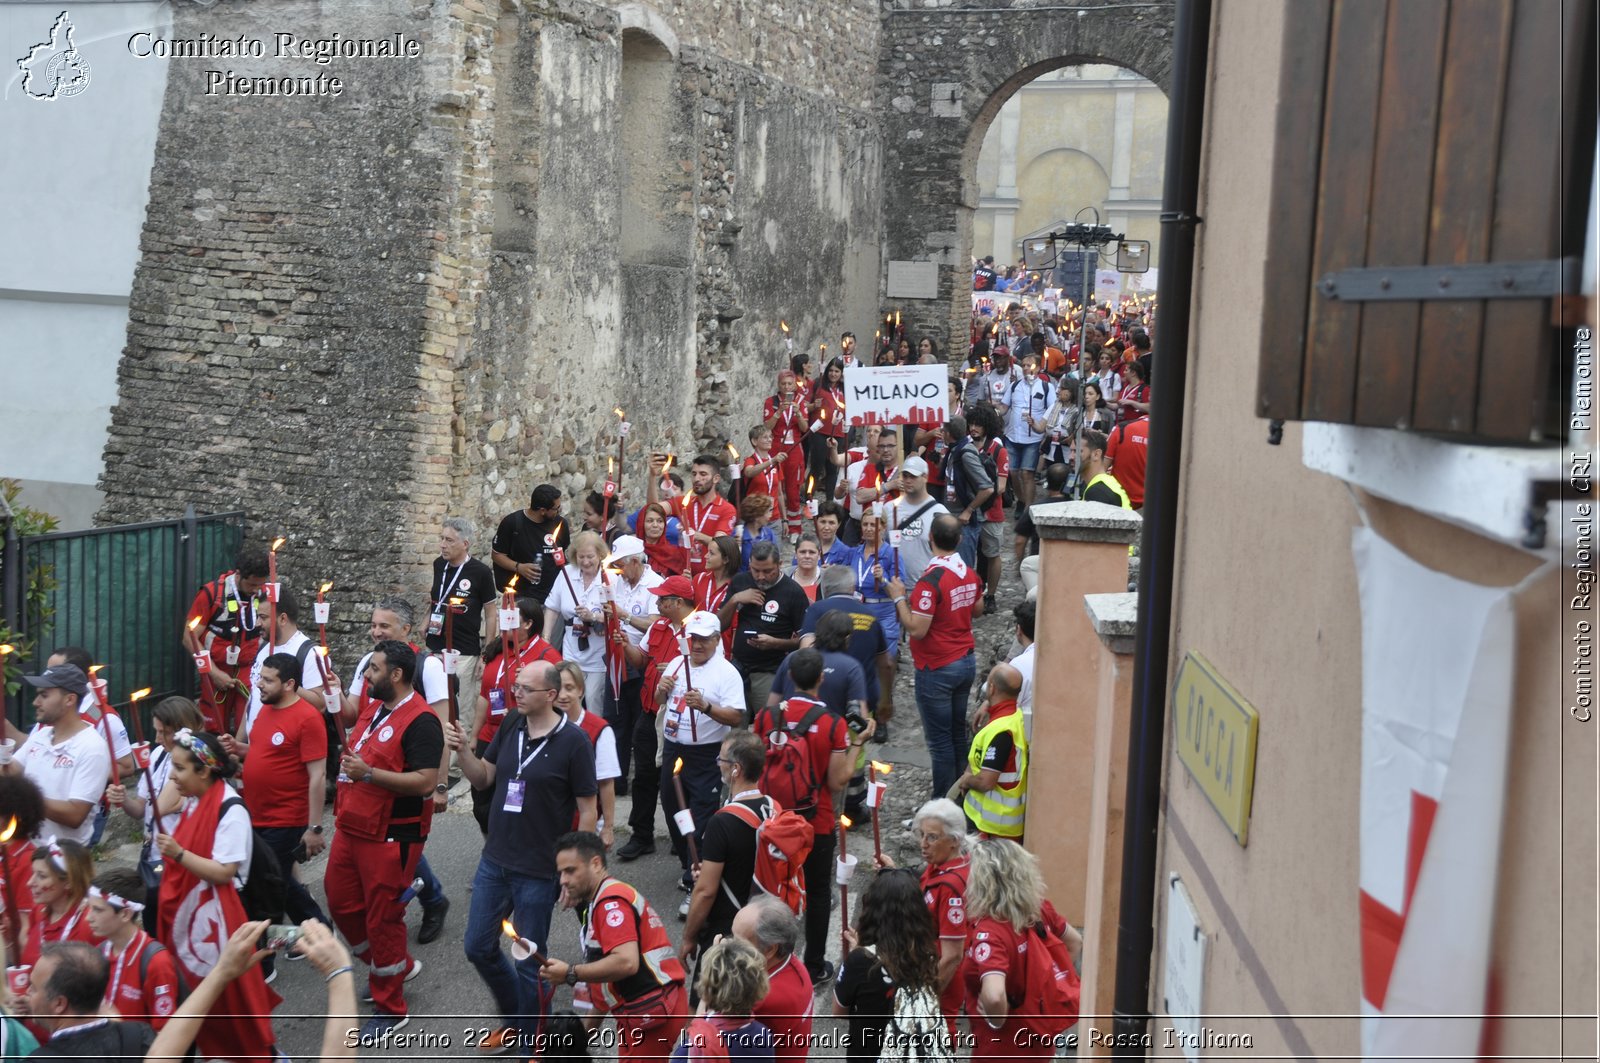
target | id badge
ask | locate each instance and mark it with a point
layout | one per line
(514, 793)
(436, 624)
(233, 655)
(497, 702)
(669, 729)
(344, 778)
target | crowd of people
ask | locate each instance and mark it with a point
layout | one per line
(723, 655)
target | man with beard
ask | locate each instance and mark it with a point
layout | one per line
(767, 610)
(703, 514)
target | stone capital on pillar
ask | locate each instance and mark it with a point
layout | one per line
(1086, 522)
(1114, 618)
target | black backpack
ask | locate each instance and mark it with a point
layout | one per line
(266, 888)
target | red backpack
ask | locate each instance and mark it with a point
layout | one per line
(1050, 984)
(783, 841)
(790, 777)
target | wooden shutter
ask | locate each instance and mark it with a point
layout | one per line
(1426, 133)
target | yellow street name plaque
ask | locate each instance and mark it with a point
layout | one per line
(1215, 735)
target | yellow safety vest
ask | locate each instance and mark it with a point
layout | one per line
(1111, 482)
(1000, 811)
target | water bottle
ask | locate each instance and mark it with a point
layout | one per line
(415, 888)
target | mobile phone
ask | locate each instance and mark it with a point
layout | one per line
(279, 938)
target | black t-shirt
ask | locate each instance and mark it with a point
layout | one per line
(983, 279)
(999, 752)
(524, 843)
(1101, 493)
(865, 988)
(780, 617)
(472, 584)
(1025, 528)
(113, 1041)
(731, 842)
(522, 539)
(423, 747)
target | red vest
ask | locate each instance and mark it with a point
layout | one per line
(364, 808)
(658, 959)
(592, 723)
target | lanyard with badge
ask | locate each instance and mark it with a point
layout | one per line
(436, 618)
(517, 786)
(355, 747)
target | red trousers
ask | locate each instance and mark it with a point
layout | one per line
(363, 886)
(653, 1042)
(793, 484)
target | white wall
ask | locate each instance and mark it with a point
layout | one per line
(74, 177)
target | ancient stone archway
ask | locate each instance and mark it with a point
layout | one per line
(945, 73)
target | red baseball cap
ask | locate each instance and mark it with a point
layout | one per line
(674, 587)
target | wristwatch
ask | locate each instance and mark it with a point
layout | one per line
(572, 975)
(317, 829)
(441, 789)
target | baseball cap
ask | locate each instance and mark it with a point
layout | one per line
(702, 623)
(625, 547)
(674, 587)
(914, 466)
(67, 677)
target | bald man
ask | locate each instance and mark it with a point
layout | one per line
(993, 792)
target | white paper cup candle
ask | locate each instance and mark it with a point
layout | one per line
(452, 660)
(510, 620)
(320, 611)
(685, 821)
(844, 869)
(875, 794)
(523, 949)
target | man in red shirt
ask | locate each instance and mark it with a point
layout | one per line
(769, 925)
(938, 618)
(629, 964)
(828, 756)
(1125, 450)
(143, 985)
(223, 625)
(703, 513)
(285, 773)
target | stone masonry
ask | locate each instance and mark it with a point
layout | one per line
(356, 315)
(947, 66)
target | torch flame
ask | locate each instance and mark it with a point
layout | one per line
(6, 648)
(618, 411)
(734, 451)
(139, 695)
(276, 543)
(511, 584)
(94, 669)
(880, 766)
(811, 482)
(678, 767)
(785, 326)
(668, 466)
(195, 623)
(510, 929)
(611, 467)
(10, 829)
(322, 651)
(846, 822)
(325, 588)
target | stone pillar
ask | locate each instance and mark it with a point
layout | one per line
(1113, 617)
(1083, 550)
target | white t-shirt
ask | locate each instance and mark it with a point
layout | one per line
(75, 770)
(160, 772)
(591, 597)
(310, 674)
(852, 478)
(916, 536)
(1023, 662)
(606, 764)
(636, 600)
(720, 682)
(234, 841)
(435, 684)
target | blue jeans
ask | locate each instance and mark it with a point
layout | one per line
(968, 550)
(942, 695)
(518, 990)
(432, 892)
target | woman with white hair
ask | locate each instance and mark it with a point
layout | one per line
(1005, 901)
(941, 830)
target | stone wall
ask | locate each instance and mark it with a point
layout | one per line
(353, 315)
(947, 66)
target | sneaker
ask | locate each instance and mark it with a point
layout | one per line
(989, 605)
(636, 847)
(416, 969)
(498, 1041)
(432, 921)
(683, 909)
(821, 975)
(381, 1027)
(881, 735)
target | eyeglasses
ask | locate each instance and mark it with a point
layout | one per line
(518, 688)
(725, 760)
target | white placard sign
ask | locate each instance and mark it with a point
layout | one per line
(912, 280)
(993, 302)
(896, 394)
(1107, 286)
(1183, 974)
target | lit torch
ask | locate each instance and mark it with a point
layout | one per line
(12, 916)
(788, 340)
(683, 819)
(272, 595)
(521, 947)
(734, 471)
(844, 868)
(875, 792)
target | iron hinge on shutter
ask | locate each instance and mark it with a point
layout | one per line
(1544, 279)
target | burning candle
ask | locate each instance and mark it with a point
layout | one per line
(788, 340)
(521, 947)
(272, 595)
(734, 471)
(811, 503)
(683, 819)
(875, 792)
(12, 916)
(844, 868)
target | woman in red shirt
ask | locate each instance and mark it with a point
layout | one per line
(666, 557)
(62, 872)
(826, 411)
(711, 586)
(20, 799)
(1005, 898)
